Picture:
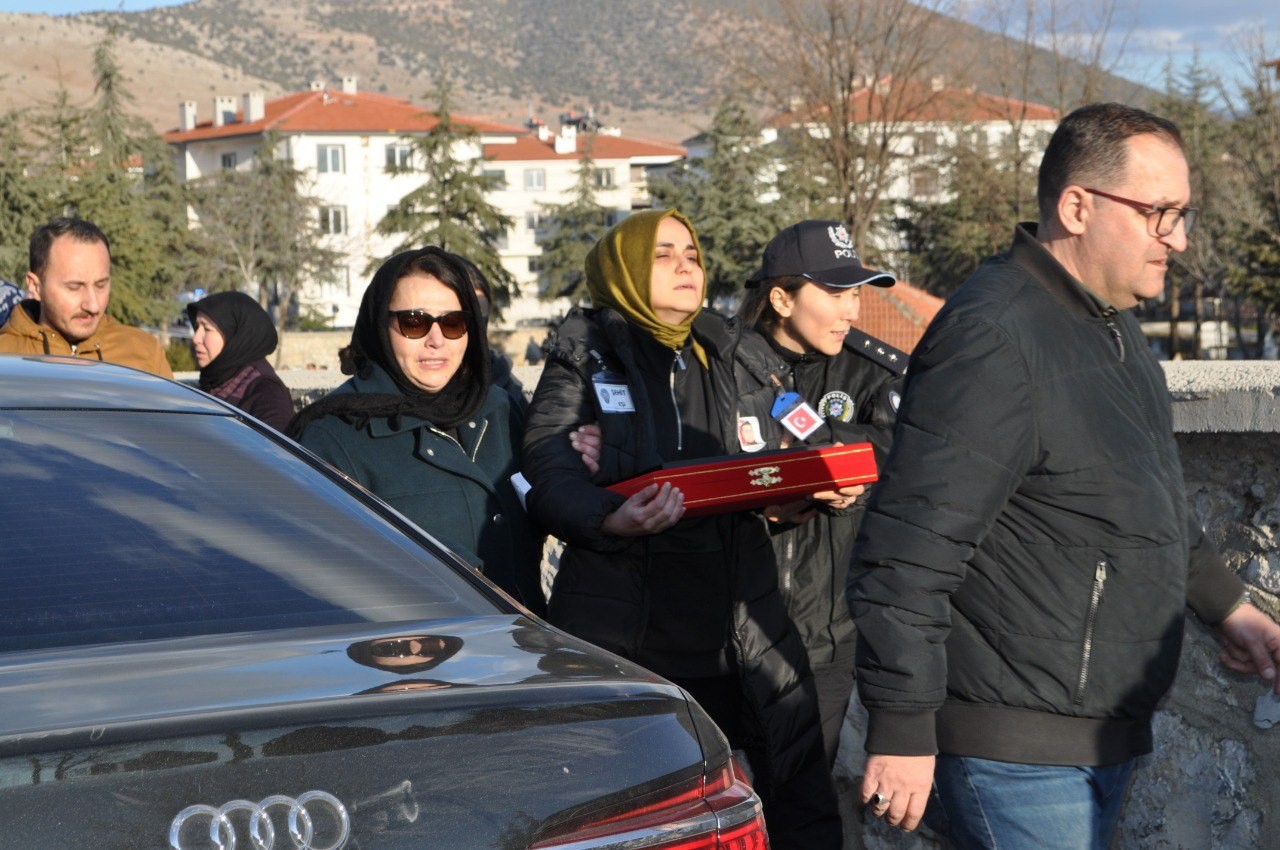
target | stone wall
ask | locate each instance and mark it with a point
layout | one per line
(1215, 776)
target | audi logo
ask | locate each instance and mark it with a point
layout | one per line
(302, 814)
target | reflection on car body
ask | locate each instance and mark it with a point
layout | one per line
(208, 637)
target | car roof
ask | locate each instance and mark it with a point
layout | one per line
(44, 382)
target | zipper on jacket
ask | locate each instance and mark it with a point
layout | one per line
(1115, 333)
(474, 450)
(1091, 621)
(678, 362)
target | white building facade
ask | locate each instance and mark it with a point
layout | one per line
(354, 148)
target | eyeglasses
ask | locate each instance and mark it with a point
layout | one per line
(1167, 217)
(415, 324)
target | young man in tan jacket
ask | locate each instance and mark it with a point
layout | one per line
(70, 285)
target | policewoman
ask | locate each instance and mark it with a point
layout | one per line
(805, 375)
(693, 599)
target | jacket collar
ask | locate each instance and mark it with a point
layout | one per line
(1029, 253)
(380, 382)
(25, 321)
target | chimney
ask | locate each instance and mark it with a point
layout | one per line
(317, 85)
(187, 115)
(253, 107)
(349, 84)
(567, 140)
(224, 111)
(544, 133)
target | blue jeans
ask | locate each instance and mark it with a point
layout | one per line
(998, 805)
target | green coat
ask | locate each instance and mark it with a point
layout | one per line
(458, 491)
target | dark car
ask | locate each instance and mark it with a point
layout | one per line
(210, 639)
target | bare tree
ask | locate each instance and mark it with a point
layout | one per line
(851, 74)
(1061, 53)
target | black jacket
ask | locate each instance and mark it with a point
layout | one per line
(1024, 564)
(856, 392)
(707, 586)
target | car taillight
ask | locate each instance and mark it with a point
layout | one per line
(716, 811)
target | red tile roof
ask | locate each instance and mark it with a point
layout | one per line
(917, 101)
(331, 111)
(897, 314)
(530, 148)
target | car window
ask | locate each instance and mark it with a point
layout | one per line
(134, 525)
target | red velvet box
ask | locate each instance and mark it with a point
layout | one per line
(745, 481)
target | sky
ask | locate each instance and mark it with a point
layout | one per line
(1218, 29)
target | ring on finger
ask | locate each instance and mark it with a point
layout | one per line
(878, 800)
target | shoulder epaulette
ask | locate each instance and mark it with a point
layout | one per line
(893, 359)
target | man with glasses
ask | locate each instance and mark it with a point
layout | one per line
(1021, 577)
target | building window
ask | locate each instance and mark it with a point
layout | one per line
(612, 217)
(333, 219)
(497, 177)
(228, 161)
(535, 222)
(399, 157)
(924, 182)
(605, 178)
(926, 144)
(331, 159)
(535, 179)
(535, 265)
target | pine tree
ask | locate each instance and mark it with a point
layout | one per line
(947, 240)
(571, 229)
(450, 208)
(1254, 146)
(1202, 269)
(122, 179)
(721, 195)
(26, 196)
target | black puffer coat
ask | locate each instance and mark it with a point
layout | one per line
(856, 391)
(630, 595)
(1026, 559)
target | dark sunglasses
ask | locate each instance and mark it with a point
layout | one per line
(415, 324)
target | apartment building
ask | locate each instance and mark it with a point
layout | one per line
(357, 151)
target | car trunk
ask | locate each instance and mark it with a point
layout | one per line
(489, 747)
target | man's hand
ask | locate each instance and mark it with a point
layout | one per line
(840, 499)
(902, 784)
(586, 440)
(651, 510)
(1252, 643)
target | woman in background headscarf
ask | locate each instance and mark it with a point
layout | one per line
(232, 336)
(420, 425)
(694, 600)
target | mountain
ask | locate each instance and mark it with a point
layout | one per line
(653, 67)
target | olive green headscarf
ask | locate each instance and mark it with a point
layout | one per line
(618, 270)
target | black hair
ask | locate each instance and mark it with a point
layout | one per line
(756, 310)
(42, 240)
(1088, 148)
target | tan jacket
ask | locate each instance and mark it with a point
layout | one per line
(113, 342)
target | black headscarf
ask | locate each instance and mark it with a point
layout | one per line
(371, 345)
(247, 334)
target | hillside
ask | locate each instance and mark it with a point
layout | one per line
(653, 67)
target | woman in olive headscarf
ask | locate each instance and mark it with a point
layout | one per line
(232, 336)
(420, 425)
(694, 600)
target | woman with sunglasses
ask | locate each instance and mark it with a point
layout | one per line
(693, 599)
(233, 336)
(420, 425)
